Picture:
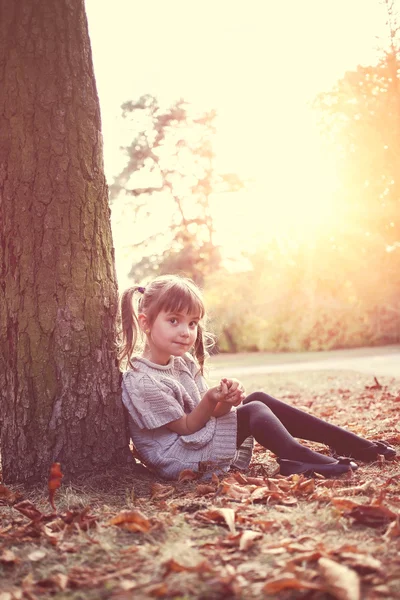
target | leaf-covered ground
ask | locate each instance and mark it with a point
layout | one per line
(254, 535)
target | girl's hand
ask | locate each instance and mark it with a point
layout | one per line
(235, 390)
(217, 393)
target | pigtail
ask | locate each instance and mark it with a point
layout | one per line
(129, 326)
(204, 341)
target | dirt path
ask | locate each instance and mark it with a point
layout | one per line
(374, 361)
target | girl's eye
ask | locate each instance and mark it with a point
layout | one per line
(173, 321)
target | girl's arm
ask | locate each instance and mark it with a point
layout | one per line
(235, 391)
(216, 402)
(222, 408)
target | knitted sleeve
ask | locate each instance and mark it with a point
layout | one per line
(151, 403)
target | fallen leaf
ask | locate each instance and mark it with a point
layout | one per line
(215, 479)
(132, 520)
(237, 492)
(61, 580)
(393, 530)
(217, 515)
(342, 582)
(7, 557)
(7, 496)
(160, 491)
(188, 475)
(29, 510)
(288, 582)
(54, 482)
(173, 566)
(158, 590)
(264, 493)
(373, 516)
(203, 489)
(248, 538)
(363, 563)
(36, 555)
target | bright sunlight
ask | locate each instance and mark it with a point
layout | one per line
(260, 64)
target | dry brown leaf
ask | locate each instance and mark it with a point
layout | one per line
(304, 557)
(36, 555)
(393, 530)
(132, 520)
(215, 479)
(234, 491)
(217, 515)
(373, 516)
(157, 590)
(288, 582)
(248, 538)
(173, 566)
(160, 491)
(188, 475)
(343, 504)
(265, 493)
(7, 496)
(364, 563)
(61, 580)
(8, 557)
(204, 488)
(26, 508)
(54, 482)
(342, 582)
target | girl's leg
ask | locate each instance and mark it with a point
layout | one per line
(257, 419)
(303, 425)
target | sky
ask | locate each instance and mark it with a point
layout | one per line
(259, 63)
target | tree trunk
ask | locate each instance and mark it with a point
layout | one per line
(59, 384)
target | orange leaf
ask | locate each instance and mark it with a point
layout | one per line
(160, 491)
(393, 530)
(203, 488)
(188, 475)
(173, 566)
(374, 516)
(7, 496)
(343, 583)
(238, 492)
(54, 482)
(29, 510)
(132, 520)
(289, 583)
(217, 515)
(8, 557)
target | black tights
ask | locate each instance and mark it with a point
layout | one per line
(273, 424)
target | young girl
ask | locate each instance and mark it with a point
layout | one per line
(176, 422)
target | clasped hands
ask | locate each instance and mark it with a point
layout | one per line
(229, 391)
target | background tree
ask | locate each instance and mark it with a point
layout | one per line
(59, 385)
(170, 170)
(361, 117)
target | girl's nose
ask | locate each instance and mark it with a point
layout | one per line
(184, 331)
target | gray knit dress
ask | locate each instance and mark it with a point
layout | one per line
(155, 395)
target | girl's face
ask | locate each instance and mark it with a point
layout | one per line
(172, 334)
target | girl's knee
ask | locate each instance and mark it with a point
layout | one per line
(258, 397)
(257, 409)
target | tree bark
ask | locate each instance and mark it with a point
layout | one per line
(59, 383)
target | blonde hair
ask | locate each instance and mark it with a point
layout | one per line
(169, 293)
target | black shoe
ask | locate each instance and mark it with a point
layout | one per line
(296, 467)
(371, 452)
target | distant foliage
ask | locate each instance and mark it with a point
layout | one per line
(314, 298)
(170, 171)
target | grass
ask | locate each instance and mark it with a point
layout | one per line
(233, 538)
